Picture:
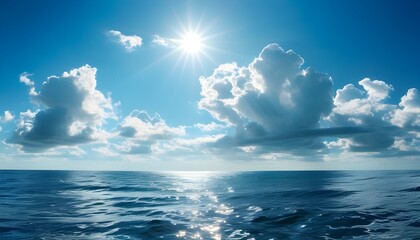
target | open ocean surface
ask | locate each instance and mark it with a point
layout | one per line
(210, 205)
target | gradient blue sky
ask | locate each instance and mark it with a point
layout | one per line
(291, 118)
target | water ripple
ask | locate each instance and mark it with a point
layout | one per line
(253, 205)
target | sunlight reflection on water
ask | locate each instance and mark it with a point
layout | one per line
(208, 205)
(205, 211)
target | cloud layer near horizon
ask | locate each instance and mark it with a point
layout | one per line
(271, 107)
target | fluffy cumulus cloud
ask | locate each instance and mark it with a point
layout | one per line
(385, 126)
(128, 42)
(140, 125)
(141, 132)
(408, 115)
(273, 102)
(366, 109)
(276, 106)
(71, 111)
(272, 108)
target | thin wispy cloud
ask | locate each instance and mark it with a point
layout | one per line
(210, 127)
(164, 42)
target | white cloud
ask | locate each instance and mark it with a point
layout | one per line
(141, 126)
(191, 144)
(358, 103)
(410, 142)
(209, 127)
(249, 149)
(72, 112)
(128, 42)
(76, 151)
(165, 42)
(142, 131)
(342, 143)
(187, 148)
(24, 78)
(268, 101)
(277, 107)
(376, 90)
(26, 120)
(365, 109)
(385, 125)
(348, 93)
(7, 117)
(105, 151)
(272, 109)
(409, 112)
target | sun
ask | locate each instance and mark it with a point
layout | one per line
(191, 43)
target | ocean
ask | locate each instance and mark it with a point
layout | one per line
(210, 205)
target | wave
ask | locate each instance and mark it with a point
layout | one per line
(252, 205)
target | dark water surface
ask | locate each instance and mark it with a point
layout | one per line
(210, 205)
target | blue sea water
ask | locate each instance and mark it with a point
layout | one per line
(210, 205)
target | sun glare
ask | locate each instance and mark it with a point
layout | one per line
(191, 43)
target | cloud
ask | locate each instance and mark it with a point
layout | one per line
(272, 108)
(105, 151)
(7, 117)
(72, 111)
(189, 144)
(376, 90)
(409, 112)
(276, 106)
(143, 131)
(24, 78)
(270, 101)
(389, 126)
(365, 108)
(140, 125)
(128, 42)
(165, 42)
(210, 126)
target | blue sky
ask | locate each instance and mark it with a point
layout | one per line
(193, 85)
